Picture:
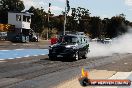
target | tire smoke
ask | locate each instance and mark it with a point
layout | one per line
(120, 45)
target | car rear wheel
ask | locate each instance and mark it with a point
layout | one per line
(84, 57)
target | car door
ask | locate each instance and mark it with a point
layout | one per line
(82, 47)
(86, 45)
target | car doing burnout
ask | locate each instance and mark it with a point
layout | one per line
(69, 46)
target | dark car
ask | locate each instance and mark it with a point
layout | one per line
(70, 47)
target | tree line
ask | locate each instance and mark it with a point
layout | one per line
(79, 20)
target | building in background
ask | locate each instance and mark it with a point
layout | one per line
(22, 31)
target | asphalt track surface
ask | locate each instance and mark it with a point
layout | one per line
(40, 72)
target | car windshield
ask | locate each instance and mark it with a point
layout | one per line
(68, 40)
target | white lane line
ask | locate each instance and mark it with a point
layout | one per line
(125, 63)
(18, 57)
(4, 50)
(27, 56)
(18, 49)
(14, 44)
(1, 59)
(11, 58)
(28, 44)
(43, 54)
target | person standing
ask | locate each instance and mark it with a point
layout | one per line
(54, 40)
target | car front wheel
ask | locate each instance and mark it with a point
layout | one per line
(51, 58)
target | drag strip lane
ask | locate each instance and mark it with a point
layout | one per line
(19, 53)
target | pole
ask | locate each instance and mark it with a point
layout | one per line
(48, 27)
(48, 22)
(65, 18)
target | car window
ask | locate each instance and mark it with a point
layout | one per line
(74, 40)
(68, 39)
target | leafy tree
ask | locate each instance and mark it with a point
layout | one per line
(60, 22)
(116, 26)
(95, 30)
(9, 6)
(39, 19)
(105, 26)
(78, 21)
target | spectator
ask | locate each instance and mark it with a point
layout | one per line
(54, 40)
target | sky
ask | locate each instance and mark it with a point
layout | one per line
(102, 8)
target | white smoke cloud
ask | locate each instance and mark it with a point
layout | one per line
(122, 44)
(128, 2)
